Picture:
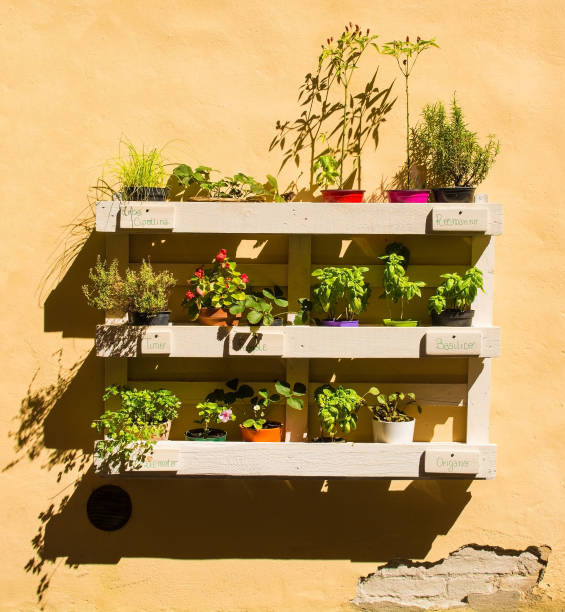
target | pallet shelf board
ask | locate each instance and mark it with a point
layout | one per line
(306, 218)
(287, 460)
(301, 342)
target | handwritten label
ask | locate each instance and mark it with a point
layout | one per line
(459, 219)
(451, 462)
(263, 344)
(147, 216)
(156, 343)
(161, 460)
(454, 343)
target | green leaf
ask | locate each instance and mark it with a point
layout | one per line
(373, 391)
(294, 403)
(254, 317)
(283, 388)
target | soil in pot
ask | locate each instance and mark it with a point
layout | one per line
(324, 439)
(453, 318)
(343, 195)
(455, 195)
(271, 432)
(393, 432)
(416, 196)
(140, 318)
(146, 194)
(400, 323)
(198, 435)
(217, 317)
(335, 323)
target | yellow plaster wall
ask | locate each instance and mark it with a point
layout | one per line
(211, 78)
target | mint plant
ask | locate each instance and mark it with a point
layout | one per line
(456, 292)
(131, 431)
(342, 292)
(390, 407)
(396, 283)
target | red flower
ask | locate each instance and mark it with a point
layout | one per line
(189, 295)
(221, 255)
(199, 273)
(245, 278)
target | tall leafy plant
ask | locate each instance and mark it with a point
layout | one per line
(406, 54)
(457, 292)
(397, 285)
(261, 402)
(342, 292)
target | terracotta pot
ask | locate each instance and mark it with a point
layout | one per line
(271, 432)
(217, 317)
(343, 195)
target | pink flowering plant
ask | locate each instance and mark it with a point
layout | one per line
(219, 286)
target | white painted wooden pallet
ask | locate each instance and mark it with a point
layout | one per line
(306, 218)
(316, 460)
(300, 341)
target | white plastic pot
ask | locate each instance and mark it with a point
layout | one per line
(401, 432)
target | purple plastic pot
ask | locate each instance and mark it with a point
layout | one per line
(416, 196)
(334, 323)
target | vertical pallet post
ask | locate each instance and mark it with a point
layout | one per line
(297, 370)
(116, 368)
(479, 370)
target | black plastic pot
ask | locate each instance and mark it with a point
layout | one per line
(277, 322)
(146, 194)
(197, 435)
(453, 318)
(138, 318)
(455, 195)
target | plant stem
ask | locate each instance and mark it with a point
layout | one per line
(343, 134)
(407, 132)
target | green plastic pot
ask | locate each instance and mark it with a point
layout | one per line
(406, 323)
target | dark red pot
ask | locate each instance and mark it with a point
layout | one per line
(343, 195)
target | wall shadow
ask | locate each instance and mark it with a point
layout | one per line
(65, 309)
(359, 520)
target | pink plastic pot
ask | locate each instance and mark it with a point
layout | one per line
(342, 195)
(416, 196)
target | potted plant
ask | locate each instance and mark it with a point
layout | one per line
(131, 431)
(140, 174)
(342, 293)
(143, 293)
(454, 162)
(216, 409)
(406, 54)
(258, 428)
(390, 423)
(343, 57)
(337, 411)
(198, 185)
(259, 306)
(216, 295)
(451, 303)
(398, 288)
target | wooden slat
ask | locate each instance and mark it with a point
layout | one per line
(298, 218)
(478, 401)
(292, 460)
(303, 342)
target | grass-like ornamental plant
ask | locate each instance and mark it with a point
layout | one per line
(146, 291)
(397, 285)
(260, 305)
(220, 286)
(142, 291)
(342, 293)
(131, 430)
(390, 407)
(263, 400)
(456, 293)
(406, 54)
(449, 151)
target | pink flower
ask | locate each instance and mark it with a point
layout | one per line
(225, 415)
(189, 295)
(199, 273)
(245, 278)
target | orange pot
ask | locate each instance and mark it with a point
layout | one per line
(271, 434)
(217, 317)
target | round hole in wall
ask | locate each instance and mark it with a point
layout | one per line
(460, 212)
(108, 508)
(453, 337)
(147, 210)
(452, 454)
